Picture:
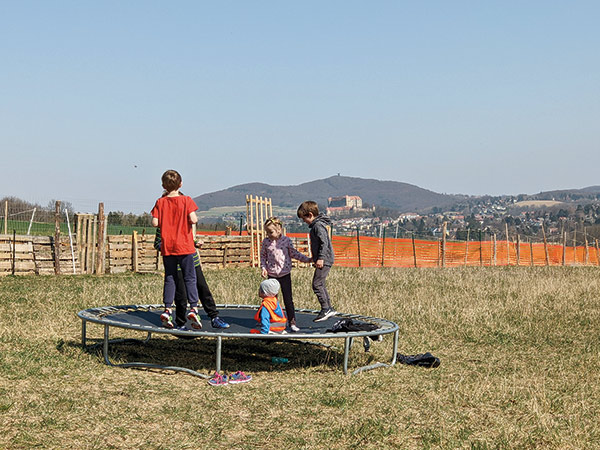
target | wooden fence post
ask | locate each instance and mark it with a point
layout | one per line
(531, 252)
(467, 246)
(14, 252)
(100, 240)
(444, 244)
(507, 245)
(250, 227)
(78, 240)
(5, 216)
(575, 245)
(414, 249)
(480, 250)
(545, 246)
(597, 252)
(225, 251)
(564, 249)
(518, 250)
(495, 255)
(587, 251)
(57, 237)
(134, 251)
(383, 247)
(358, 244)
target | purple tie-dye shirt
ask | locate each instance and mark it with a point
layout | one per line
(276, 256)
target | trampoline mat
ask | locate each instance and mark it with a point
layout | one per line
(240, 318)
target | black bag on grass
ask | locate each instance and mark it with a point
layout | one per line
(421, 360)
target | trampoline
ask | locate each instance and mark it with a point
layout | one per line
(146, 318)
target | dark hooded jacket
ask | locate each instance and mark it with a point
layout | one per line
(320, 243)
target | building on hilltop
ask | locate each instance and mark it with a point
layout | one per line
(346, 201)
(344, 205)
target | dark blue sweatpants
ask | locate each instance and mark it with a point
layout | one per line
(186, 262)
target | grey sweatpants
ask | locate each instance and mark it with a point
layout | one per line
(319, 287)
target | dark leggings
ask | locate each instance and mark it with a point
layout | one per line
(206, 298)
(286, 290)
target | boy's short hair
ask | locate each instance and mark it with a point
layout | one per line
(171, 180)
(308, 207)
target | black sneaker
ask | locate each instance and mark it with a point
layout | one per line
(325, 314)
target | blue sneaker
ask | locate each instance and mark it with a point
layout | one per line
(239, 377)
(217, 322)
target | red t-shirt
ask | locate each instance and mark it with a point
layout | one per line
(173, 214)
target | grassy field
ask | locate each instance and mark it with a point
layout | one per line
(520, 352)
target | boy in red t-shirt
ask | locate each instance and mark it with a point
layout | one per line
(175, 213)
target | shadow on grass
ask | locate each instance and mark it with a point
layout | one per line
(199, 354)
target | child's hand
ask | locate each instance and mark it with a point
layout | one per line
(264, 273)
(198, 243)
(319, 264)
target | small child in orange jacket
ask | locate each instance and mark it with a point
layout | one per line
(270, 317)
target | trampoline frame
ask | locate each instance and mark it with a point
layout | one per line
(101, 315)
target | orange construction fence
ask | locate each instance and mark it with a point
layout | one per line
(363, 251)
(351, 251)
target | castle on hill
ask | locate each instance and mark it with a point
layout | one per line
(346, 204)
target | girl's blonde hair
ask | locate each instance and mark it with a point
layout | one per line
(273, 221)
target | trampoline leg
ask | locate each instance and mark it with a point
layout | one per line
(83, 333)
(218, 357)
(395, 348)
(347, 344)
(105, 346)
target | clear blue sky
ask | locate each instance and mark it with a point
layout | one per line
(457, 97)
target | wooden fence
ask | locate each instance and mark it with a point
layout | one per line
(24, 255)
(36, 254)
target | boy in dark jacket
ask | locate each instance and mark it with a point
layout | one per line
(322, 255)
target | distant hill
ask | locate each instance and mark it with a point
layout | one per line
(586, 193)
(403, 197)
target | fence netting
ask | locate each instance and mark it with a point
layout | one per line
(363, 251)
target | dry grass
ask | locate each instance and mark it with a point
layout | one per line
(519, 347)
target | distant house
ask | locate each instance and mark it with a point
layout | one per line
(408, 216)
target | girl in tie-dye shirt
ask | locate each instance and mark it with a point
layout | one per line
(276, 256)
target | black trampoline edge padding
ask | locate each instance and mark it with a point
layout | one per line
(240, 317)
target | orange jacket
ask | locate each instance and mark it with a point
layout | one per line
(270, 316)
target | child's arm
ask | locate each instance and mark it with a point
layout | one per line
(263, 258)
(323, 237)
(157, 239)
(193, 217)
(265, 321)
(297, 254)
(155, 213)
